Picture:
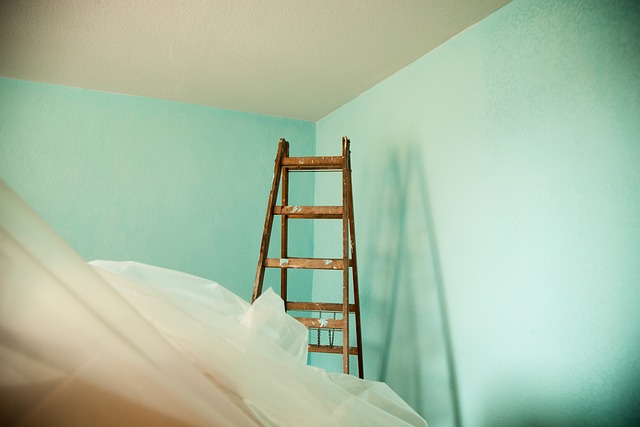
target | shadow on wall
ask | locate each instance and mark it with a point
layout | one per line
(406, 329)
(408, 342)
(612, 404)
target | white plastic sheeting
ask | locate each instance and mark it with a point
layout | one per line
(129, 344)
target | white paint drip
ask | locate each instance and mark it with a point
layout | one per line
(284, 261)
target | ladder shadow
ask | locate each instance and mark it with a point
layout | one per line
(410, 335)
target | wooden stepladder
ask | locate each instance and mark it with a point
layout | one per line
(341, 311)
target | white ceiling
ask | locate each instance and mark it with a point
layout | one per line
(300, 59)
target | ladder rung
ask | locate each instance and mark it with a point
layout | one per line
(310, 263)
(312, 163)
(337, 349)
(317, 306)
(321, 212)
(315, 323)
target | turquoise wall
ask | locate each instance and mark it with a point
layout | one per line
(128, 178)
(497, 201)
(497, 192)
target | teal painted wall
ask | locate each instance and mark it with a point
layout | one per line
(497, 194)
(497, 201)
(128, 178)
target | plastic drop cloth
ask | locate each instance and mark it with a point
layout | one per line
(129, 344)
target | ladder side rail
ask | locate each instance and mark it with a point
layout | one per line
(284, 227)
(268, 222)
(345, 254)
(354, 272)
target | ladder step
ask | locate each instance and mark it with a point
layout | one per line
(313, 163)
(314, 323)
(328, 349)
(320, 212)
(317, 306)
(309, 263)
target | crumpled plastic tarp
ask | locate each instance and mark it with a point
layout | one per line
(128, 344)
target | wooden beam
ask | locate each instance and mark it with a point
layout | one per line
(328, 349)
(307, 263)
(317, 306)
(313, 163)
(315, 323)
(317, 212)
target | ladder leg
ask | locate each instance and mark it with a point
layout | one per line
(284, 234)
(268, 222)
(345, 254)
(354, 271)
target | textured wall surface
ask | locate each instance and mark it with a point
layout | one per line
(129, 178)
(497, 192)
